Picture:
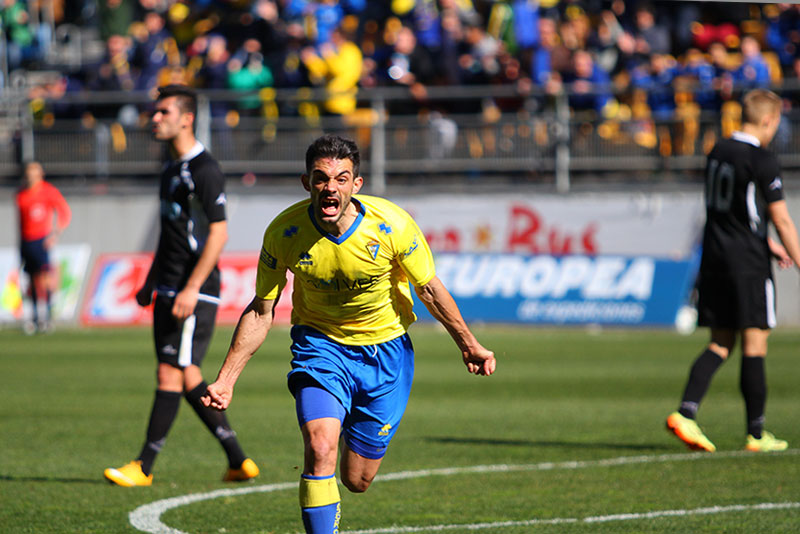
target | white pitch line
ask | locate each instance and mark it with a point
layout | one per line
(594, 519)
(147, 518)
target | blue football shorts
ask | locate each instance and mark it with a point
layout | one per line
(366, 387)
(34, 255)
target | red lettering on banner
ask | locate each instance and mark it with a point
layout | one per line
(558, 246)
(524, 225)
(528, 233)
(587, 239)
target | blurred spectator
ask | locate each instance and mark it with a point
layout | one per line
(320, 18)
(574, 32)
(683, 16)
(549, 59)
(656, 79)
(526, 23)
(783, 32)
(247, 72)
(113, 74)
(590, 85)
(406, 64)
(152, 44)
(427, 24)
(651, 37)
(720, 59)
(263, 22)
(754, 71)
(478, 62)
(464, 10)
(603, 41)
(116, 16)
(703, 74)
(20, 43)
(51, 93)
(446, 60)
(290, 70)
(337, 66)
(213, 73)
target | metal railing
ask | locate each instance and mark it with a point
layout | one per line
(492, 131)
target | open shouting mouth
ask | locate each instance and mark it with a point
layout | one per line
(329, 206)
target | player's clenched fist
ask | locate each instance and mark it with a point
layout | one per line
(217, 396)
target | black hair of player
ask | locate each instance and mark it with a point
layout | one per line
(186, 97)
(335, 147)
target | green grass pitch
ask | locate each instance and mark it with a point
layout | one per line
(77, 401)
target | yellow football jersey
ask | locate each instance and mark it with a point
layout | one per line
(352, 288)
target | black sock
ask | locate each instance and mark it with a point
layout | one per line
(165, 409)
(700, 376)
(35, 308)
(753, 383)
(217, 423)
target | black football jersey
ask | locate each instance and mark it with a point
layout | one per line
(742, 178)
(192, 195)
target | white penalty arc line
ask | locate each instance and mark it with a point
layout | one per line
(147, 518)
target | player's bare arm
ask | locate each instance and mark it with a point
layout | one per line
(440, 303)
(250, 332)
(779, 214)
(186, 299)
(778, 252)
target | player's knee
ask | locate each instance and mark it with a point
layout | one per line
(169, 378)
(322, 454)
(358, 483)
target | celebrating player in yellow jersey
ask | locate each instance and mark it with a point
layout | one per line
(352, 258)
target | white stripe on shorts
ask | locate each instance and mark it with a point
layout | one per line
(769, 289)
(187, 338)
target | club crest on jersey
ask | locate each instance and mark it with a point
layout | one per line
(305, 259)
(385, 430)
(373, 247)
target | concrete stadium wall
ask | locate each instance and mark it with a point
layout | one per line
(128, 222)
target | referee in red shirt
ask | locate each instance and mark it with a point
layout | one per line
(38, 203)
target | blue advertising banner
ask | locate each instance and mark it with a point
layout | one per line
(543, 289)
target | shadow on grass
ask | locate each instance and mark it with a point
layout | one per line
(542, 444)
(64, 480)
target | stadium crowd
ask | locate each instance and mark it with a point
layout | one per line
(614, 59)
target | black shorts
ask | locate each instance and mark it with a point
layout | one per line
(736, 302)
(182, 343)
(34, 256)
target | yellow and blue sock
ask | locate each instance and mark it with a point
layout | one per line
(320, 504)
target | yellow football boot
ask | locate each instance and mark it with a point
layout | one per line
(688, 432)
(246, 471)
(129, 475)
(767, 443)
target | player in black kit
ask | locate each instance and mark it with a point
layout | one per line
(186, 281)
(743, 194)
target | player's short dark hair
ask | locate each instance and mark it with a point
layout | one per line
(333, 146)
(186, 97)
(758, 104)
